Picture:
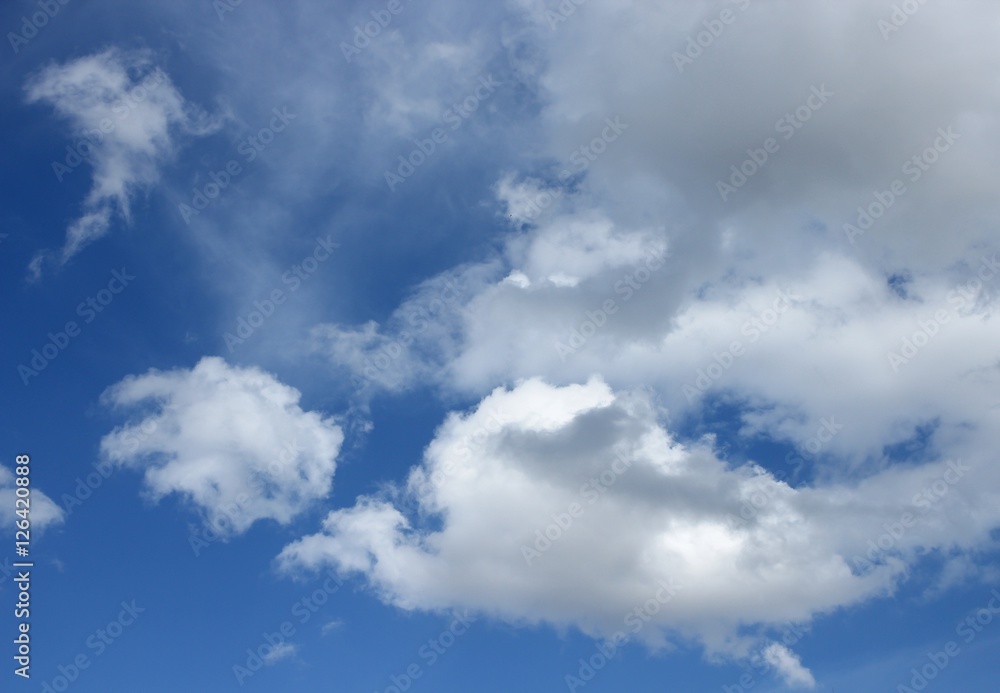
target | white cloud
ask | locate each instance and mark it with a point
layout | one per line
(789, 667)
(635, 319)
(813, 317)
(626, 507)
(331, 626)
(883, 112)
(418, 339)
(43, 512)
(279, 652)
(125, 115)
(87, 228)
(234, 441)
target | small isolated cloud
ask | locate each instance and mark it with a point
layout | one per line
(328, 628)
(279, 652)
(788, 666)
(124, 115)
(234, 441)
(43, 512)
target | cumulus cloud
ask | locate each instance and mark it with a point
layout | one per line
(233, 441)
(634, 267)
(43, 511)
(125, 115)
(574, 505)
(828, 162)
(789, 667)
(582, 296)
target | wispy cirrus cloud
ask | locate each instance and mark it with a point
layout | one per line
(125, 117)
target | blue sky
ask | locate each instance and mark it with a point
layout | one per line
(532, 346)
